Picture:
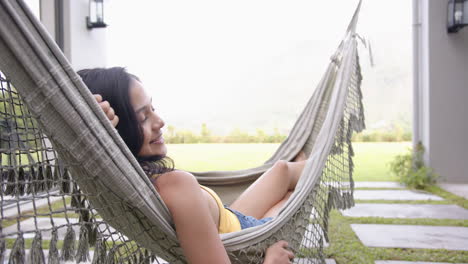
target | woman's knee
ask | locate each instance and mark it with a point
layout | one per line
(281, 169)
(281, 166)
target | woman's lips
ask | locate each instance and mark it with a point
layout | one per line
(159, 140)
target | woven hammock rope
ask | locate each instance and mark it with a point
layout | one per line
(72, 191)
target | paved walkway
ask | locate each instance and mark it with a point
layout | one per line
(408, 236)
(371, 235)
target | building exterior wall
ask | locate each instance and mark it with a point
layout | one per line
(84, 48)
(48, 16)
(443, 90)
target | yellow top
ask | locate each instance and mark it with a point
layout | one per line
(228, 221)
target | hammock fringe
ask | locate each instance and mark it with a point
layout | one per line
(99, 252)
(36, 253)
(53, 250)
(82, 254)
(2, 249)
(68, 249)
(17, 254)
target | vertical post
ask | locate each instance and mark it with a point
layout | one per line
(416, 73)
(59, 23)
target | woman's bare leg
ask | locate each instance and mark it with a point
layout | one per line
(276, 208)
(268, 190)
(300, 156)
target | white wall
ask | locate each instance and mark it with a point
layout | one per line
(47, 15)
(83, 47)
(443, 90)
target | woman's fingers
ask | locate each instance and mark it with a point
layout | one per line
(285, 245)
(115, 121)
(105, 106)
(108, 110)
(110, 113)
(279, 253)
(98, 97)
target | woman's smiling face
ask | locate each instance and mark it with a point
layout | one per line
(151, 124)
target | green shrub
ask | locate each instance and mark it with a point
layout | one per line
(411, 171)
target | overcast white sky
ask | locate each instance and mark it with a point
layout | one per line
(244, 63)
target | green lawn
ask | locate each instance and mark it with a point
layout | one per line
(371, 160)
(207, 157)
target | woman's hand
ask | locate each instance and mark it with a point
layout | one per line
(278, 253)
(108, 110)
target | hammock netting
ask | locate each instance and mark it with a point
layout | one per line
(72, 191)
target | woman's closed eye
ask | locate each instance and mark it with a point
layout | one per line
(147, 114)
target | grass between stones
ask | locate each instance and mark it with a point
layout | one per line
(404, 202)
(56, 210)
(346, 248)
(452, 198)
(402, 221)
(378, 189)
(449, 198)
(28, 242)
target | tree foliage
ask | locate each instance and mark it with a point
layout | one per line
(237, 135)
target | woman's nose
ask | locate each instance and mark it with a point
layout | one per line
(159, 123)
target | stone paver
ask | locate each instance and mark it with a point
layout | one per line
(456, 188)
(311, 261)
(394, 195)
(11, 209)
(28, 226)
(309, 236)
(91, 253)
(378, 185)
(436, 211)
(410, 262)
(412, 236)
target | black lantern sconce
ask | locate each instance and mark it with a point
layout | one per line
(457, 15)
(96, 14)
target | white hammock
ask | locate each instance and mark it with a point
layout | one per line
(113, 186)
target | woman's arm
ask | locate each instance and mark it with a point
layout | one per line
(196, 230)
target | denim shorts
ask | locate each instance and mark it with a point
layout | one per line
(248, 221)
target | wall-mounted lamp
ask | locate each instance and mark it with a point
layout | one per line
(96, 14)
(457, 15)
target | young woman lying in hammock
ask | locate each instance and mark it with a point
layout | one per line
(197, 211)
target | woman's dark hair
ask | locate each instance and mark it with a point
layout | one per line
(113, 84)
